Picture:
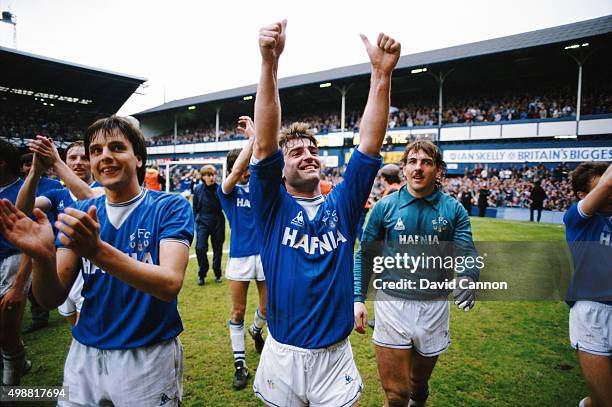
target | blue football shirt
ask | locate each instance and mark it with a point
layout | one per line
(10, 192)
(308, 262)
(590, 242)
(237, 208)
(62, 198)
(116, 315)
(46, 184)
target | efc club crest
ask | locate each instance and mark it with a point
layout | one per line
(140, 239)
(330, 219)
(439, 224)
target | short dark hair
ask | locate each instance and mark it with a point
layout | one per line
(296, 131)
(582, 175)
(108, 125)
(10, 155)
(231, 158)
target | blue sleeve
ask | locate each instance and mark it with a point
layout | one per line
(373, 232)
(574, 220)
(53, 197)
(81, 206)
(228, 201)
(265, 186)
(177, 220)
(464, 243)
(353, 192)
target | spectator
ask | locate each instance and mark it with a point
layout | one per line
(537, 196)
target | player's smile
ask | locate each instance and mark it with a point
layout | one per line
(302, 165)
(113, 161)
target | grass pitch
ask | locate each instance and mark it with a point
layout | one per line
(502, 353)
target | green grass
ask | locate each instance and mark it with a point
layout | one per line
(503, 353)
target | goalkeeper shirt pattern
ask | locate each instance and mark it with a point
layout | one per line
(436, 224)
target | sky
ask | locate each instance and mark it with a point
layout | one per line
(186, 48)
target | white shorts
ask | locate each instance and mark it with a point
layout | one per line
(74, 302)
(289, 376)
(590, 327)
(245, 268)
(404, 324)
(8, 271)
(145, 376)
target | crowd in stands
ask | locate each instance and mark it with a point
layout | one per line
(508, 187)
(511, 187)
(455, 111)
(58, 124)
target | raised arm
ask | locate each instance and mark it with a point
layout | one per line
(383, 57)
(242, 162)
(267, 101)
(46, 148)
(598, 196)
(26, 199)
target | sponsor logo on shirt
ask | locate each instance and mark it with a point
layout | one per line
(325, 243)
(243, 203)
(298, 220)
(417, 239)
(605, 238)
(91, 268)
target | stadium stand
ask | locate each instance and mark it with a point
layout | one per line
(59, 99)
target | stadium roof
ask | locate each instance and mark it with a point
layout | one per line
(548, 36)
(67, 83)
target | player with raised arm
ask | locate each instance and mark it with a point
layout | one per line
(306, 239)
(412, 329)
(589, 236)
(14, 278)
(76, 173)
(134, 248)
(244, 263)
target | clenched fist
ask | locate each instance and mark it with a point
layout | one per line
(272, 41)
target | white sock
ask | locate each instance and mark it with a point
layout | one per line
(258, 321)
(237, 337)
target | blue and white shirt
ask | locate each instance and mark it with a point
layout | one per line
(10, 192)
(306, 248)
(116, 315)
(47, 184)
(61, 198)
(237, 208)
(590, 242)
